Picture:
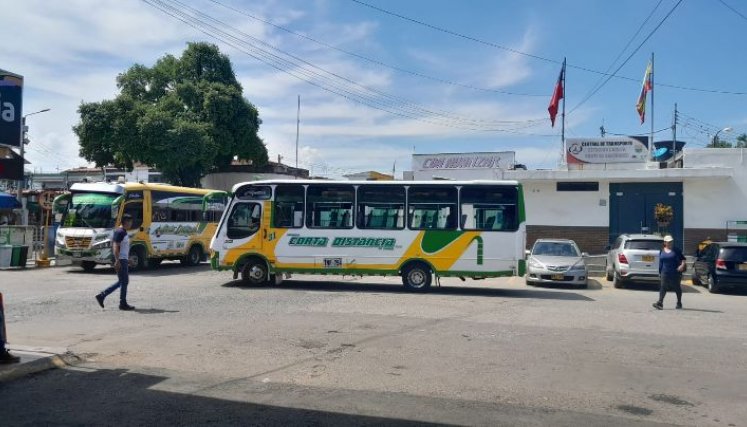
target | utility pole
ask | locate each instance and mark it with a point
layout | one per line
(674, 134)
(298, 126)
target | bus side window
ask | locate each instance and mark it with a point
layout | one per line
(330, 206)
(288, 206)
(432, 207)
(488, 208)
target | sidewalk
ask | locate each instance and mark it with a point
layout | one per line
(35, 359)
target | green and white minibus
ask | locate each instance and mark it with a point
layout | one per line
(414, 229)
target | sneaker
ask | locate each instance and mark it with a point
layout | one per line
(6, 358)
(679, 306)
(126, 307)
(658, 306)
(100, 300)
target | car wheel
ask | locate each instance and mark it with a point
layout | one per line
(417, 277)
(255, 273)
(608, 275)
(696, 280)
(617, 281)
(713, 286)
(88, 266)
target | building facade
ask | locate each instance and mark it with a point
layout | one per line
(707, 196)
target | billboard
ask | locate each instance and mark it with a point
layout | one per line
(624, 149)
(11, 97)
(466, 166)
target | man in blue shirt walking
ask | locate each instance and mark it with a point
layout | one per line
(671, 265)
(121, 249)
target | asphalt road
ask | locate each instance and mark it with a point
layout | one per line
(344, 351)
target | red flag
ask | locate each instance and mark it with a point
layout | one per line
(647, 86)
(557, 95)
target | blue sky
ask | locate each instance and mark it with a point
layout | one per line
(71, 52)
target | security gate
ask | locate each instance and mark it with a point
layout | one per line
(632, 208)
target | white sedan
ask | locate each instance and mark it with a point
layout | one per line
(556, 261)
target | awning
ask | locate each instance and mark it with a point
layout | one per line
(8, 201)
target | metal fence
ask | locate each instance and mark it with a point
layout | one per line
(33, 238)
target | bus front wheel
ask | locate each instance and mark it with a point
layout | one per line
(255, 272)
(417, 277)
(137, 259)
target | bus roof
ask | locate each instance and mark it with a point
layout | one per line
(120, 188)
(346, 182)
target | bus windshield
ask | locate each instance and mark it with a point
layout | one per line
(92, 210)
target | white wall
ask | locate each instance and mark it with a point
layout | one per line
(226, 180)
(546, 206)
(711, 203)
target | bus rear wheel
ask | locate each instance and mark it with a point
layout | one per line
(193, 257)
(255, 273)
(417, 277)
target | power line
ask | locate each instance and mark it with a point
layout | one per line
(324, 79)
(599, 83)
(640, 45)
(733, 9)
(533, 56)
(369, 59)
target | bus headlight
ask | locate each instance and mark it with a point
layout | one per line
(103, 245)
(60, 241)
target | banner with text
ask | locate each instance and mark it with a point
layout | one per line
(624, 149)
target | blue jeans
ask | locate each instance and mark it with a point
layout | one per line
(2, 330)
(123, 279)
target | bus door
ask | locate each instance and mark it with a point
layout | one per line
(133, 206)
(241, 232)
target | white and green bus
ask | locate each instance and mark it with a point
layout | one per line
(414, 229)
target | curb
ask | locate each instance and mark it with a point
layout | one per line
(40, 361)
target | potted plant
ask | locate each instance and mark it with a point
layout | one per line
(663, 214)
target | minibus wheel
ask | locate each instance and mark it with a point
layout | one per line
(417, 277)
(255, 272)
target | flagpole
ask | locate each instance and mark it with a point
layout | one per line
(562, 123)
(651, 141)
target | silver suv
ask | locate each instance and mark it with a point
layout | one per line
(634, 257)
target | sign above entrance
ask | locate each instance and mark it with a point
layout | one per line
(11, 95)
(625, 149)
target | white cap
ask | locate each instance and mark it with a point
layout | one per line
(668, 238)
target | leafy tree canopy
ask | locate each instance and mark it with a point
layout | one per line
(185, 116)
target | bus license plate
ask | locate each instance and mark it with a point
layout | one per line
(647, 258)
(332, 262)
(557, 277)
(76, 254)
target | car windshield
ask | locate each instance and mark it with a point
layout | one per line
(555, 249)
(734, 254)
(92, 210)
(645, 245)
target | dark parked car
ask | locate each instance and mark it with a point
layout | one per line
(721, 265)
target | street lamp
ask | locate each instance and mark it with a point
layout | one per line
(715, 137)
(24, 129)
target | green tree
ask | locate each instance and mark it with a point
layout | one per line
(185, 116)
(742, 141)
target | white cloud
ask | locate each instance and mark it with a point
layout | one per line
(70, 52)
